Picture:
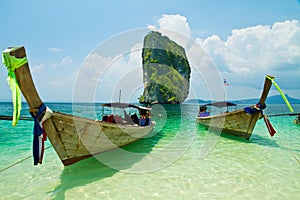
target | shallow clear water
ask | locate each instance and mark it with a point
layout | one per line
(179, 160)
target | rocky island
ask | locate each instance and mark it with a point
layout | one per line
(166, 71)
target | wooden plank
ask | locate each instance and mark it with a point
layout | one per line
(266, 89)
(55, 139)
(25, 81)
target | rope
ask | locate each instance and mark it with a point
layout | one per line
(284, 114)
(9, 118)
(20, 161)
(289, 149)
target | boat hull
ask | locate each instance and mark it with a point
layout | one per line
(75, 138)
(237, 123)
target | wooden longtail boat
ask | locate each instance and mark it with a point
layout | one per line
(239, 122)
(75, 138)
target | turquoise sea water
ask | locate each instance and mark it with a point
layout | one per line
(178, 160)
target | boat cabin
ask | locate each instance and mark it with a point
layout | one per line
(223, 108)
(126, 114)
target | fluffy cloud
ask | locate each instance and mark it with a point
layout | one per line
(203, 70)
(247, 50)
(176, 23)
(66, 61)
(38, 68)
(101, 77)
(63, 62)
(53, 49)
(245, 56)
(175, 27)
(257, 48)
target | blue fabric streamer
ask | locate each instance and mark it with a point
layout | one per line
(37, 131)
(250, 110)
(258, 107)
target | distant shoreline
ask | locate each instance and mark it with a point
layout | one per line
(276, 99)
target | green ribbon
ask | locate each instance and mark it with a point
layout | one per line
(281, 93)
(12, 63)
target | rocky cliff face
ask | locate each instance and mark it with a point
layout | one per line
(166, 71)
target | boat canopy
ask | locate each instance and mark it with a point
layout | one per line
(124, 105)
(221, 104)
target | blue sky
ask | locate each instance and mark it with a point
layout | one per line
(243, 38)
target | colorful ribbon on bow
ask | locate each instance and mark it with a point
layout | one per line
(281, 93)
(12, 63)
(39, 136)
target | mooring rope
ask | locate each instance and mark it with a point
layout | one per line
(10, 118)
(283, 114)
(20, 161)
(290, 151)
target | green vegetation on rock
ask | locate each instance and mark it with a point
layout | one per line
(166, 71)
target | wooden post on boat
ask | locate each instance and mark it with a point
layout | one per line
(267, 86)
(25, 81)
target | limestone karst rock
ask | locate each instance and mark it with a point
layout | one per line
(166, 71)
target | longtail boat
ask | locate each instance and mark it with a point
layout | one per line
(239, 122)
(73, 138)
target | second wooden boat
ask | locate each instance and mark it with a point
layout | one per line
(239, 122)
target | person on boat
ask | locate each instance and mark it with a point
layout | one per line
(203, 111)
(111, 119)
(145, 119)
(297, 120)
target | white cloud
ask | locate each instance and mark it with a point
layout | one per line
(38, 68)
(101, 77)
(52, 49)
(177, 23)
(65, 61)
(175, 27)
(246, 55)
(257, 48)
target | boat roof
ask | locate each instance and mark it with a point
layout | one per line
(221, 104)
(124, 105)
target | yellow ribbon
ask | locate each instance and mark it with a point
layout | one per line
(12, 63)
(281, 93)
